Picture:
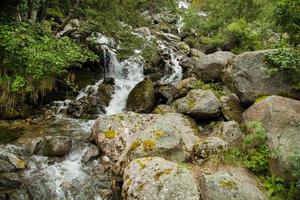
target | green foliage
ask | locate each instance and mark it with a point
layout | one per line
(254, 154)
(287, 18)
(239, 26)
(214, 87)
(295, 158)
(277, 188)
(287, 61)
(31, 54)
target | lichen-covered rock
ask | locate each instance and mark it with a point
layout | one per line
(232, 107)
(249, 77)
(164, 109)
(142, 98)
(199, 104)
(127, 136)
(9, 181)
(232, 183)
(228, 131)
(91, 153)
(209, 67)
(210, 146)
(57, 146)
(154, 178)
(281, 119)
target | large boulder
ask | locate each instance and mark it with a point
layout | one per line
(127, 136)
(199, 104)
(232, 183)
(57, 146)
(281, 118)
(209, 67)
(154, 178)
(210, 146)
(249, 77)
(142, 98)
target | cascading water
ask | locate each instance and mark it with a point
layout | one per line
(173, 71)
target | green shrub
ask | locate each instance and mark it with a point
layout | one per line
(287, 61)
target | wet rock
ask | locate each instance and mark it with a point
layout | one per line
(164, 109)
(57, 146)
(196, 53)
(249, 77)
(231, 183)
(209, 67)
(154, 178)
(19, 194)
(183, 47)
(6, 166)
(32, 144)
(105, 92)
(13, 159)
(228, 131)
(199, 104)
(127, 136)
(91, 153)
(144, 31)
(142, 97)
(10, 181)
(281, 119)
(210, 146)
(232, 107)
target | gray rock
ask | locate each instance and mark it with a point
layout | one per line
(91, 153)
(281, 118)
(142, 97)
(199, 104)
(124, 137)
(6, 166)
(249, 78)
(232, 107)
(209, 67)
(232, 183)
(57, 146)
(144, 31)
(228, 131)
(177, 90)
(210, 146)
(154, 178)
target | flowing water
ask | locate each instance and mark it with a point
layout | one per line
(63, 178)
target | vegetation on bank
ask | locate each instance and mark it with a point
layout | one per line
(255, 155)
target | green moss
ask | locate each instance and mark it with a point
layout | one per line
(9, 135)
(140, 163)
(148, 145)
(228, 184)
(110, 134)
(161, 173)
(261, 98)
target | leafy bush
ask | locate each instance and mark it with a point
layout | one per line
(287, 18)
(31, 55)
(288, 61)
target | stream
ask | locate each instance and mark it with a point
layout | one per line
(71, 177)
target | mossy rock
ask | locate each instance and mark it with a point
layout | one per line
(9, 135)
(142, 98)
